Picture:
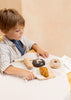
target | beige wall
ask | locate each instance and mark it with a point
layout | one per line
(11, 4)
(49, 23)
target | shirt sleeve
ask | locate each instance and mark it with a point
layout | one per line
(28, 43)
(4, 58)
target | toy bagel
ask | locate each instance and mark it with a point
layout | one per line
(55, 63)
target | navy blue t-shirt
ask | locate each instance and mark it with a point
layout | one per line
(19, 46)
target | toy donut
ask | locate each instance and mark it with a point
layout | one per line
(55, 63)
(38, 62)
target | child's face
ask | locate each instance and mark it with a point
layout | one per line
(15, 33)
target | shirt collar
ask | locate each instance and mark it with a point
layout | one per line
(8, 42)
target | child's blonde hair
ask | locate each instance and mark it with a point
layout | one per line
(9, 18)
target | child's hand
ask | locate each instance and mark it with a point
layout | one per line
(42, 53)
(28, 75)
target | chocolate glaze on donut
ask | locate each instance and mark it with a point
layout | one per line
(38, 62)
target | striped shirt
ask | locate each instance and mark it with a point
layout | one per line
(9, 52)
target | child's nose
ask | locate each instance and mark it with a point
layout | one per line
(21, 31)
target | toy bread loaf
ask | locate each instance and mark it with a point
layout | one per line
(28, 63)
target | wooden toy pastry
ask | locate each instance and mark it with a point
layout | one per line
(38, 62)
(28, 63)
(55, 63)
(44, 71)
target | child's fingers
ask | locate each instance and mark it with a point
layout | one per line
(30, 77)
(46, 54)
(33, 77)
(37, 54)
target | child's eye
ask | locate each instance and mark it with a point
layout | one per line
(17, 30)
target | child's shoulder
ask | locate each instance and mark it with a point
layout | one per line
(3, 45)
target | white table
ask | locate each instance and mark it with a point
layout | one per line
(12, 88)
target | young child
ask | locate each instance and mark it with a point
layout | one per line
(14, 44)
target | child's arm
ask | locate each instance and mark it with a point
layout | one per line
(19, 72)
(40, 51)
